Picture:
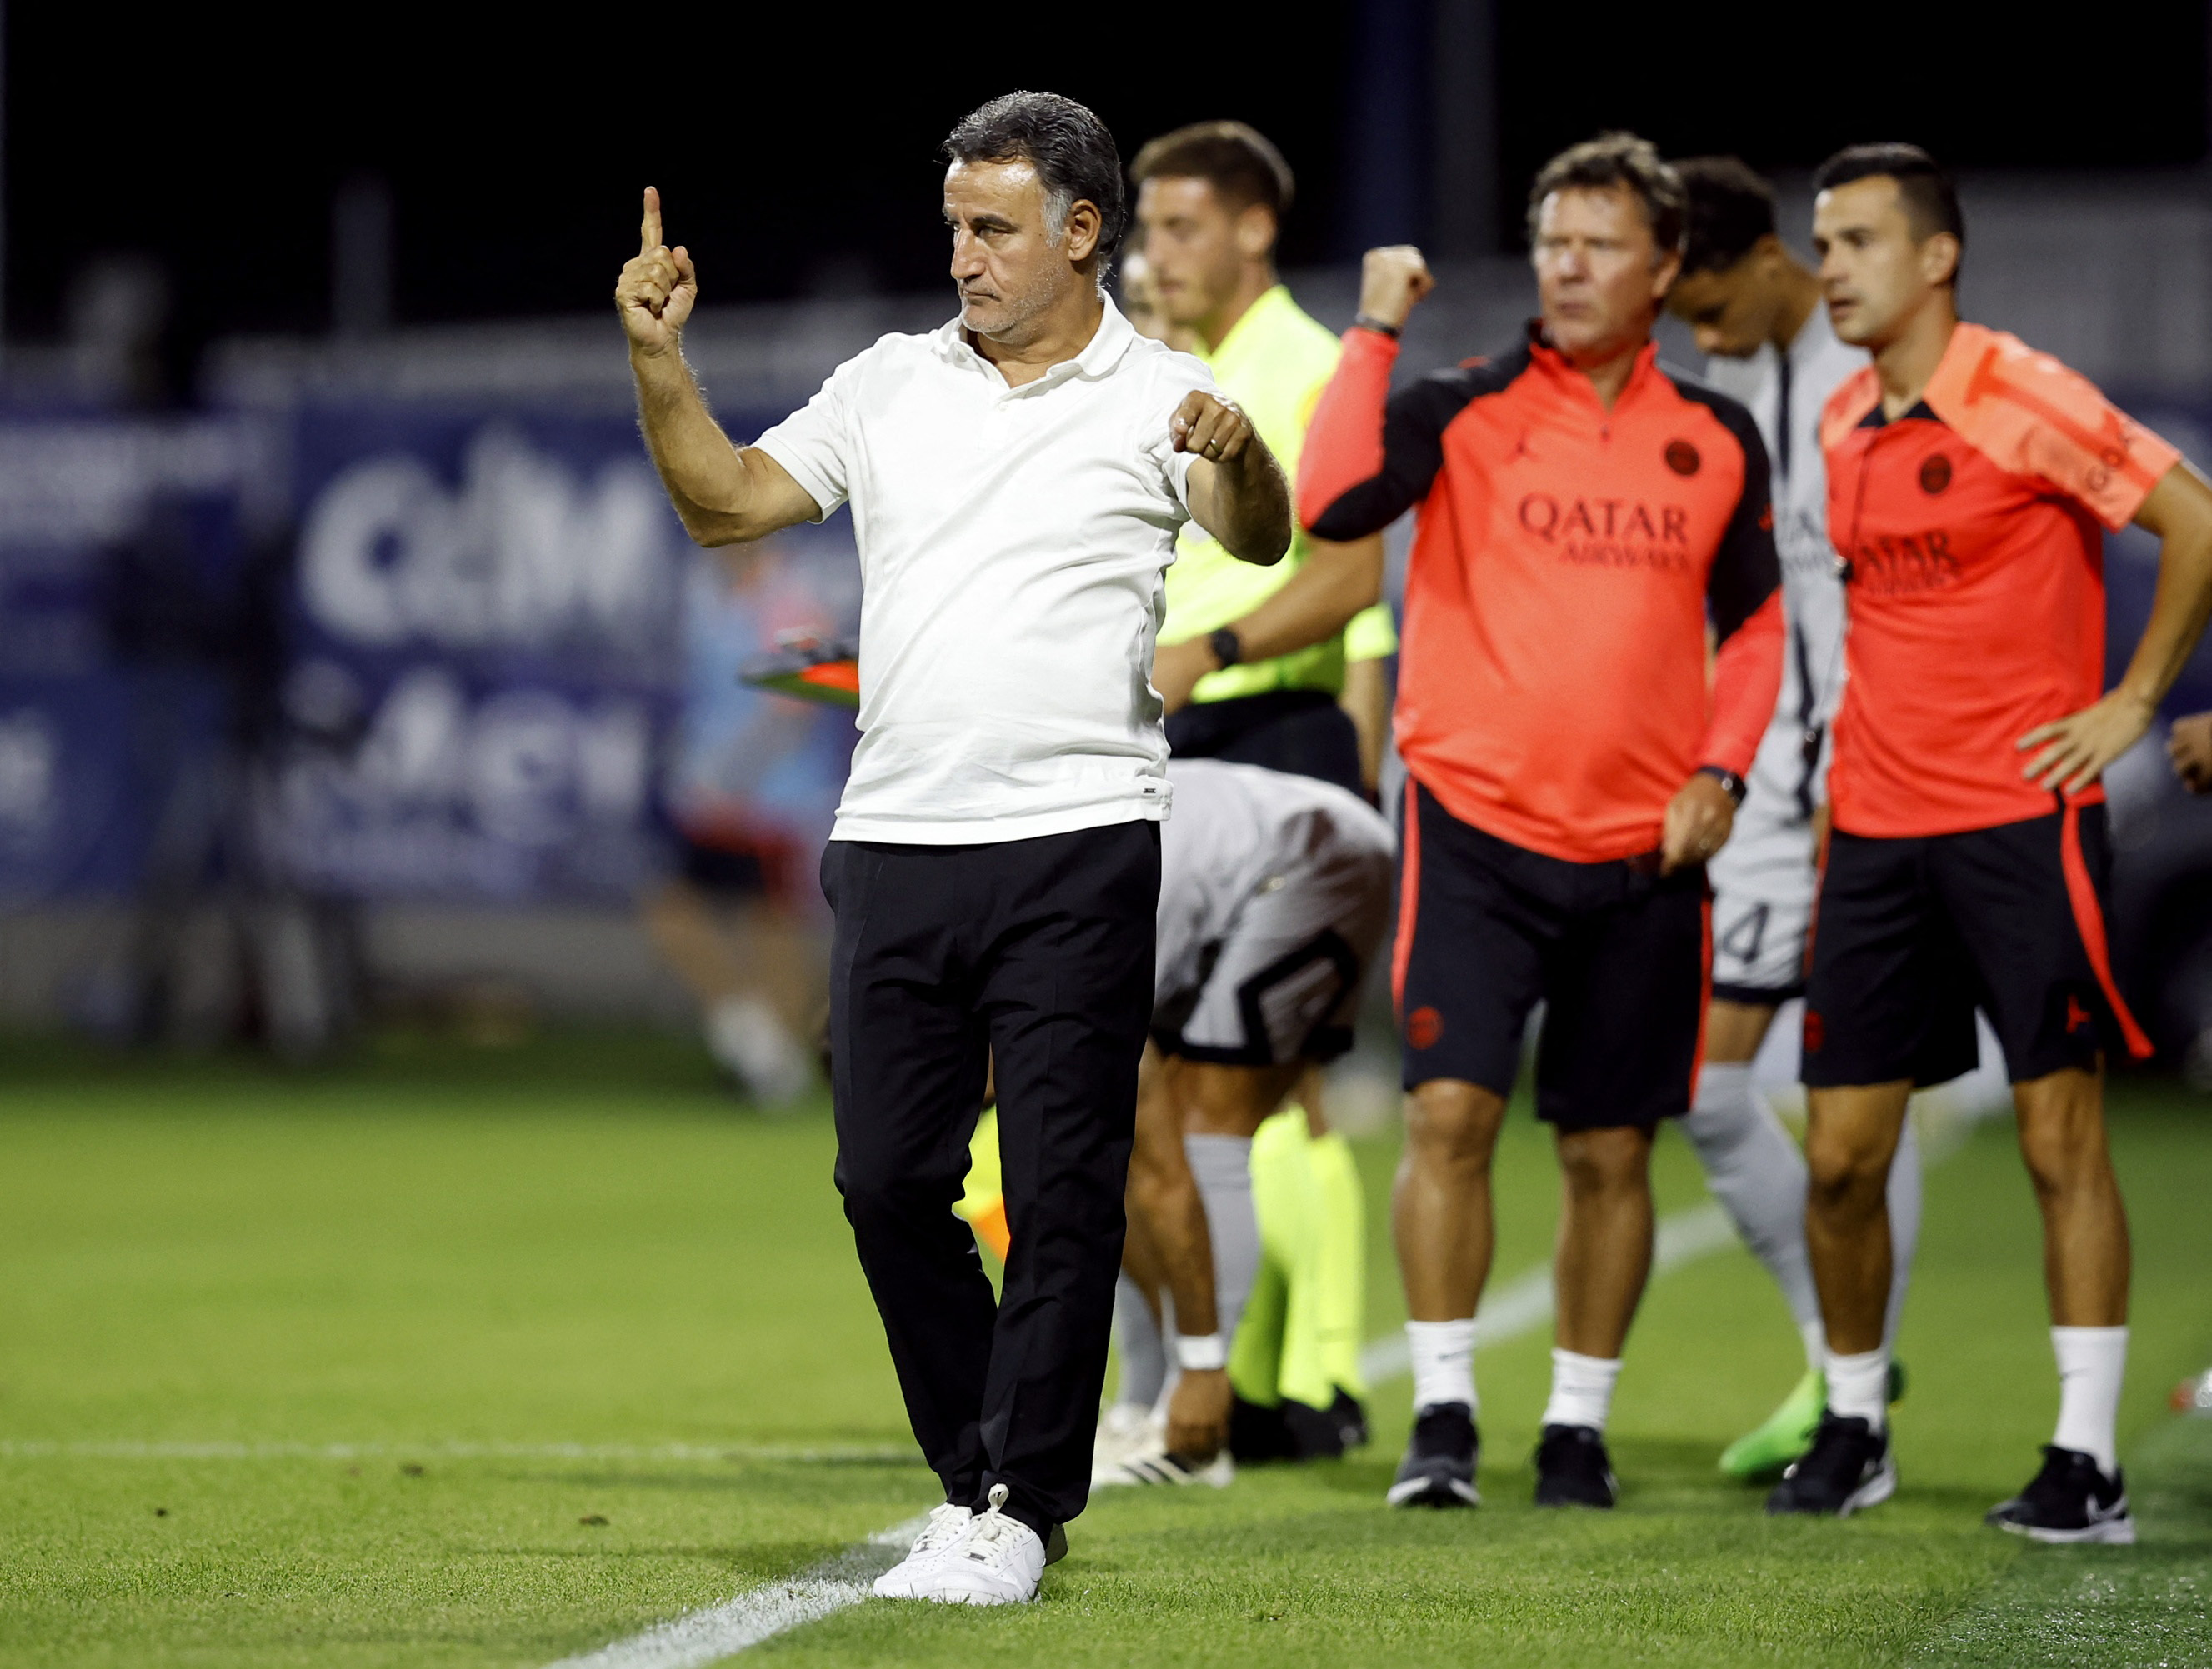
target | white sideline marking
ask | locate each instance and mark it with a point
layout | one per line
(123, 1450)
(701, 1637)
(1524, 1303)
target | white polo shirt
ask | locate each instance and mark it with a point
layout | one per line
(1012, 545)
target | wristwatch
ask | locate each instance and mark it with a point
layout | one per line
(1227, 650)
(1727, 780)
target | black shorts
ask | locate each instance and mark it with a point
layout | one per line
(1302, 731)
(1910, 935)
(1619, 954)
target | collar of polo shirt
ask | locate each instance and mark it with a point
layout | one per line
(1099, 356)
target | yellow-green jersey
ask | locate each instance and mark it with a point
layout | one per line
(1274, 363)
(1371, 634)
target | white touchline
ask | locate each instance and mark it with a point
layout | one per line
(126, 1450)
(701, 1637)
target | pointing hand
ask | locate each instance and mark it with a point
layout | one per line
(657, 287)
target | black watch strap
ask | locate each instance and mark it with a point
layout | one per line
(1368, 322)
(1227, 649)
(1737, 788)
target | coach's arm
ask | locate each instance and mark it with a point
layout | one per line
(723, 493)
(2074, 751)
(1237, 490)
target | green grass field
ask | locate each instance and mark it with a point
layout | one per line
(489, 1357)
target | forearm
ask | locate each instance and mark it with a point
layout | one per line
(2180, 609)
(1247, 507)
(1166, 1199)
(1315, 603)
(706, 478)
(1746, 681)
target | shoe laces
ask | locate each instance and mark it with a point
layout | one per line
(2066, 1472)
(996, 1533)
(947, 1524)
(1839, 1451)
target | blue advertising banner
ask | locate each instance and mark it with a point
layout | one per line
(537, 665)
(122, 563)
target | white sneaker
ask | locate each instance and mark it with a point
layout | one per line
(1153, 1465)
(750, 1042)
(947, 1528)
(997, 1563)
(1125, 1429)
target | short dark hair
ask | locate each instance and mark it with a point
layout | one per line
(1235, 159)
(1730, 208)
(1931, 201)
(1069, 147)
(1616, 158)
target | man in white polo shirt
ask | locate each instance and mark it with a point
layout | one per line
(1017, 479)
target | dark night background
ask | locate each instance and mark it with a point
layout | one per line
(796, 148)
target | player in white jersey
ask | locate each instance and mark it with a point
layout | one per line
(1274, 894)
(1756, 311)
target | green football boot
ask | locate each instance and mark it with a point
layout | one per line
(1783, 1437)
(1787, 1433)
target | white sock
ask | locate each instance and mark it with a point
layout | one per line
(1815, 1335)
(1581, 1389)
(1222, 1168)
(1904, 1199)
(1756, 1171)
(1144, 1351)
(1858, 1387)
(749, 1040)
(2091, 1363)
(1443, 1363)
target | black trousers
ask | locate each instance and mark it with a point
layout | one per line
(1035, 956)
(1302, 731)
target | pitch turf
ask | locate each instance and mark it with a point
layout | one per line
(488, 1357)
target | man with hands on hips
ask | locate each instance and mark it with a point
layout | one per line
(1017, 479)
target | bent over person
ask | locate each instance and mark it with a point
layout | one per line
(1584, 516)
(1017, 479)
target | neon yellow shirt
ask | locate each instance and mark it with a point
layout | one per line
(1371, 634)
(1274, 363)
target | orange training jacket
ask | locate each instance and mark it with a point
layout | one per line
(1975, 579)
(1566, 563)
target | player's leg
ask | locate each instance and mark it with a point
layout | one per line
(1281, 996)
(2030, 901)
(1204, 1265)
(1887, 1001)
(711, 927)
(1625, 991)
(1066, 986)
(908, 1063)
(1467, 970)
(1143, 1317)
(1763, 885)
(1340, 1296)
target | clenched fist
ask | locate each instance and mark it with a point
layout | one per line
(657, 287)
(1391, 280)
(1210, 427)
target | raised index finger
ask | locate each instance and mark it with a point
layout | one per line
(649, 234)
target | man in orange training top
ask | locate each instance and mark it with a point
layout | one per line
(1585, 517)
(1967, 477)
